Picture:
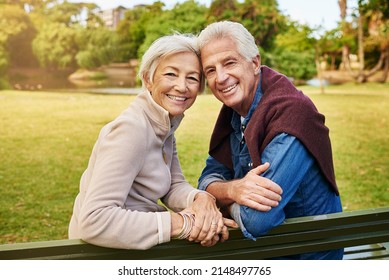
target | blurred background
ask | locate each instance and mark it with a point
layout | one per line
(47, 44)
(69, 67)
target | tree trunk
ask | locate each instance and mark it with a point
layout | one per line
(319, 74)
(333, 57)
(362, 78)
(385, 71)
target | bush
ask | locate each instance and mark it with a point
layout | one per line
(297, 65)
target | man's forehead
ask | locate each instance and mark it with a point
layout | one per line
(219, 50)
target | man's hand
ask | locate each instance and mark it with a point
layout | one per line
(254, 191)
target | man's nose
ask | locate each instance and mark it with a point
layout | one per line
(221, 76)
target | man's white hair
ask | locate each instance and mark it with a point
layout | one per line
(243, 39)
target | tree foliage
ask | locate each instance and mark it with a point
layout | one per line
(294, 54)
(186, 17)
(59, 34)
(55, 46)
(222, 10)
(262, 18)
(14, 24)
(132, 30)
(89, 56)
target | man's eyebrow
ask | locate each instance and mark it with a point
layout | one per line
(208, 67)
(223, 60)
(176, 68)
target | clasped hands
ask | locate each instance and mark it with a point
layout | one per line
(202, 222)
(207, 224)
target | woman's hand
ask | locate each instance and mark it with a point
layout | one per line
(209, 222)
(223, 235)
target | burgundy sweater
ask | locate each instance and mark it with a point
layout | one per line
(282, 108)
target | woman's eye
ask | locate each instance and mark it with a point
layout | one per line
(171, 74)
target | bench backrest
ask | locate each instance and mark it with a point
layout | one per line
(294, 236)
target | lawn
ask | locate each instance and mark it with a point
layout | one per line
(46, 139)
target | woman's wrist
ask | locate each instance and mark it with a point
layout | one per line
(205, 193)
(177, 223)
(187, 221)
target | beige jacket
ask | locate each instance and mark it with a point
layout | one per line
(133, 164)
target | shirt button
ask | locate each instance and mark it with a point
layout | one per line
(242, 142)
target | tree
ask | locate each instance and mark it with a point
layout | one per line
(376, 13)
(96, 46)
(222, 10)
(372, 36)
(348, 37)
(132, 29)
(263, 19)
(330, 46)
(14, 22)
(186, 17)
(55, 46)
(65, 40)
(294, 54)
(69, 14)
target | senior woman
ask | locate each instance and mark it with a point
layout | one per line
(134, 163)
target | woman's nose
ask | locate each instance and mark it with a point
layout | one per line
(181, 84)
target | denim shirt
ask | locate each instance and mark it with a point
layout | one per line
(305, 190)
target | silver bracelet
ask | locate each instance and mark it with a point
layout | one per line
(189, 220)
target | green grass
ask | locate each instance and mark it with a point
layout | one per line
(46, 140)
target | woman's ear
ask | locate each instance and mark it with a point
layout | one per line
(147, 82)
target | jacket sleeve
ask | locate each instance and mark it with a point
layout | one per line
(289, 163)
(103, 220)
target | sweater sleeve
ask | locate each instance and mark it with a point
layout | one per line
(103, 219)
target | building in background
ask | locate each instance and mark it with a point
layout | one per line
(112, 17)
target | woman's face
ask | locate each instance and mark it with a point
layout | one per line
(176, 82)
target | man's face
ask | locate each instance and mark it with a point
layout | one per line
(232, 79)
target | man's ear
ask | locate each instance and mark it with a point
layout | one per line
(257, 64)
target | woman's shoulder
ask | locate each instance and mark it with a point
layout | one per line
(130, 122)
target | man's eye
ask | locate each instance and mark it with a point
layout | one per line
(193, 79)
(209, 72)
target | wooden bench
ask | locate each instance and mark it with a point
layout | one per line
(364, 234)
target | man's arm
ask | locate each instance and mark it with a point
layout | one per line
(260, 193)
(252, 190)
(290, 162)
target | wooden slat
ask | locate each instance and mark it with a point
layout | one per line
(367, 252)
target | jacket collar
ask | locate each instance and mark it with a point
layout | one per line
(158, 116)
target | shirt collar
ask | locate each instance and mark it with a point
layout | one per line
(236, 122)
